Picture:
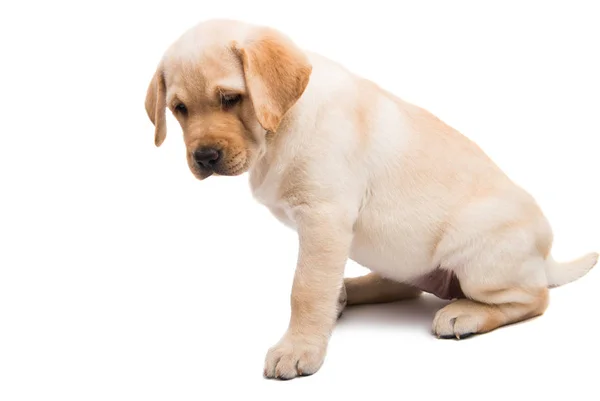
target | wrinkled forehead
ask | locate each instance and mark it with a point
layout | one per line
(205, 72)
(203, 63)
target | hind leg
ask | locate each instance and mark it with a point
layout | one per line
(491, 305)
(465, 317)
(372, 289)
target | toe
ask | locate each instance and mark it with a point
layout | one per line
(309, 363)
(458, 327)
(465, 326)
(443, 325)
(286, 367)
(271, 362)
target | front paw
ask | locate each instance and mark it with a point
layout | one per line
(294, 355)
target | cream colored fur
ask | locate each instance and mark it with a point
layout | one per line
(360, 174)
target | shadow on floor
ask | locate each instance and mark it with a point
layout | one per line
(415, 313)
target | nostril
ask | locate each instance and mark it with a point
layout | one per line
(207, 157)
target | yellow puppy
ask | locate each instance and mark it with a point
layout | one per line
(360, 174)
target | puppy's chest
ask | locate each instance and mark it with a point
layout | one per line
(267, 192)
(282, 212)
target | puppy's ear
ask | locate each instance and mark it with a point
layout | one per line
(276, 73)
(156, 106)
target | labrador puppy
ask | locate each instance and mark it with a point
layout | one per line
(360, 174)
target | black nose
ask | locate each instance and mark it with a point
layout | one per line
(207, 157)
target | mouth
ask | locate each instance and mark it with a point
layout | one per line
(201, 173)
(220, 169)
(233, 168)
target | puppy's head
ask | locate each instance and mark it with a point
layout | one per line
(227, 83)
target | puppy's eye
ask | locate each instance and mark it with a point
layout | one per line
(228, 101)
(180, 107)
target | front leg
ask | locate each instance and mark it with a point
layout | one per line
(325, 236)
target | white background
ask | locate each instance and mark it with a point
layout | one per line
(124, 278)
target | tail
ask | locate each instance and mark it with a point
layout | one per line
(563, 273)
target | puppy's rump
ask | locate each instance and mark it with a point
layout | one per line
(563, 273)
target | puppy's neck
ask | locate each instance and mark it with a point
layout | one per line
(275, 157)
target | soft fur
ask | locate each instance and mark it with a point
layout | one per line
(360, 174)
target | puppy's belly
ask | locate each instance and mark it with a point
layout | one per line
(397, 260)
(398, 242)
